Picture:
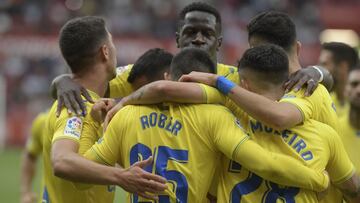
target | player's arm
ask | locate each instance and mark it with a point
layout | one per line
(68, 93)
(28, 168)
(310, 77)
(161, 91)
(341, 170)
(235, 144)
(29, 159)
(280, 115)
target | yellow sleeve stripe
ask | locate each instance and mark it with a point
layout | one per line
(298, 107)
(238, 146)
(346, 177)
(99, 159)
(205, 96)
(65, 137)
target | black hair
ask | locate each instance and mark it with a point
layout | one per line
(191, 59)
(80, 39)
(273, 27)
(342, 52)
(270, 63)
(200, 6)
(152, 63)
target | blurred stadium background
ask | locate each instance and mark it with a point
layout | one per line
(30, 57)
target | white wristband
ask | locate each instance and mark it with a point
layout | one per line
(321, 73)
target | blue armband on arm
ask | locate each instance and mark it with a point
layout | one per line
(224, 85)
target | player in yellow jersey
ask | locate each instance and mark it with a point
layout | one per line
(33, 150)
(339, 59)
(315, 143)
(185, 141)
(350, 122)
(89, 51)
(199, 26)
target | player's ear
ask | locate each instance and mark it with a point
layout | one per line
(177, 37)
(105, 52)
(219, 42)
(298, 48)
(167, 76)
(244, 84)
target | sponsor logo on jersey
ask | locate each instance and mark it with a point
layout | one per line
(73, 127)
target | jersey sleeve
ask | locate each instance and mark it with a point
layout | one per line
(34, 143)
(339, 167)
(304, 104)
(68, 127)
(90, 135)
(119, 86)
(212, 95)
(228, 134)
(107, 149)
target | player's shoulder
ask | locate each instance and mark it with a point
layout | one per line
(208, 109)
(223, 67)
(123, 70)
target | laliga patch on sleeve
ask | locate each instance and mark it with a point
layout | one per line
(121, 69)
(73, 127)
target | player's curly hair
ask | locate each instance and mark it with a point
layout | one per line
(274, 27)
(200, 6)
(270, 63)
(191, 59)
(342, 52)
(80, 39)
(152, 63)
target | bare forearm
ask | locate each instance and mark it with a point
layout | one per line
(276, 114)
(74, 167)
(28, 167)
(166, 91)
(351, 189)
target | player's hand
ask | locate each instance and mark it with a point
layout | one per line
(111, 113)
(200, 77)
(28, 197)
(308, 77)
(100, 108)
(138, 181)
(69, 95)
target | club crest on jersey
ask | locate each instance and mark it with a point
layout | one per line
(73, 127)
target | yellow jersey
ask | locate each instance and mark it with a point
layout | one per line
(341, 108)
(84, 131)
(186, 142)
(313, 143)
(351, 139)
(319, 106)
(120, 87)
(34, 144)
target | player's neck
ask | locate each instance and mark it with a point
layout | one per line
(339, 90)
(95, 80)
(274, 94)
(294, 64)
(355, 117)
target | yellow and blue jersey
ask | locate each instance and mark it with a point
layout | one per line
(351, 139)
(185, 141)
(84, 131)
(313, 143)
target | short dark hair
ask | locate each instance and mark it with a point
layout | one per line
(191, 59)
(273, 27)
(150, 64)
(268, 61)
(342, 52)
(80, 39)
(199, 6)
